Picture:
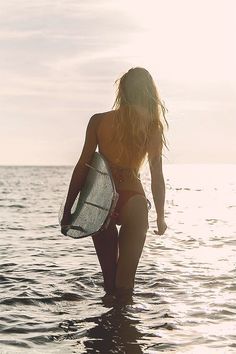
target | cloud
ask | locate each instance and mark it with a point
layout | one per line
(46, 43)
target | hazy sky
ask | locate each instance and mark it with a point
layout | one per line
(59, 61)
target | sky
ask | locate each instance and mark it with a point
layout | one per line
(59, 61)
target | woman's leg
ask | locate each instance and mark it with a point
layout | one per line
(106, 245)
(134, 225)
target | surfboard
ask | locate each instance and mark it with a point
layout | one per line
(95, 204)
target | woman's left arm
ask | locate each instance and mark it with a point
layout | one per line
(80, 171)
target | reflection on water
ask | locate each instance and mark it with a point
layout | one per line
(51, 287)
(113, 332)
(119, 330)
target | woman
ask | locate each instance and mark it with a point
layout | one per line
(125, 136)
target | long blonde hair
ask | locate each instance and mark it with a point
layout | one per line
(136, 89)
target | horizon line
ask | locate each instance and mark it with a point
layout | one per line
(164, 163)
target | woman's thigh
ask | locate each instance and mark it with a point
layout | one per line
(132, 234)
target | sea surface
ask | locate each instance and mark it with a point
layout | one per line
(51, 286)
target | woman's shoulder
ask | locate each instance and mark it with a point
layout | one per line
(98, 122)
(97, 117)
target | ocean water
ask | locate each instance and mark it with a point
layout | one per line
(185, 292)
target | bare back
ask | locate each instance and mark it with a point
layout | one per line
(125, 178)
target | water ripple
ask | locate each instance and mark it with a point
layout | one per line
(51, 297)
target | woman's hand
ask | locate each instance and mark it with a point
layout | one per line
(64, 229)
(65, 223)
(161, 226)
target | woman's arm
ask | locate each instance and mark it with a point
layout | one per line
(157, 179)
(158, 191)
(80, 171)
(157, 185)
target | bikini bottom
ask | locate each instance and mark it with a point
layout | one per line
(124, 196)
